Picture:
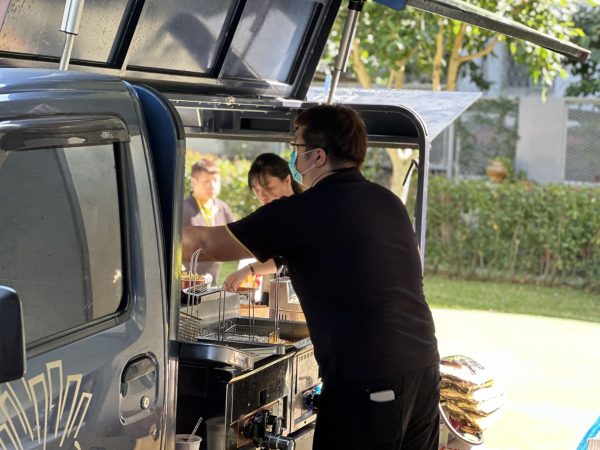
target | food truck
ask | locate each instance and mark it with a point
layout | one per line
(99, 349)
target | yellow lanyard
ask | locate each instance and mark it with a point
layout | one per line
(208, 213)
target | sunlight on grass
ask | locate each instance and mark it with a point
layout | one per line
(560, 302)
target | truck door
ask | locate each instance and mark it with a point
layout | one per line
(80, 245)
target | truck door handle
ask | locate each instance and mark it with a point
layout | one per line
(139, 375)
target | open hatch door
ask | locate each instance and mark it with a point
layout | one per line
(465, 12)
(233, 47)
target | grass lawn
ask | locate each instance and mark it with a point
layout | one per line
(448, 293)
(560, 302)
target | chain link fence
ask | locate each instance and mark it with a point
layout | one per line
(487, 130)
(582, 155)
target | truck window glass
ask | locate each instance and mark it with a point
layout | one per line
(60, 245)
(278, 25)
(33, 28)
(183, 36)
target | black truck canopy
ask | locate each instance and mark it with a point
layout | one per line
(251, 48)
(236, 47)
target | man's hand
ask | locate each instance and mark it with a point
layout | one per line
(216, 244)
(233, 280)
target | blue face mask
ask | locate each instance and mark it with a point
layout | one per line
(296, 174)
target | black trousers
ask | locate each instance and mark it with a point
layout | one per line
(348, 419)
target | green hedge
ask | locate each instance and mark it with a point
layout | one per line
(514, 231)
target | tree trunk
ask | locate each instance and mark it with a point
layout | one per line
(401, 159)
(456, 59)
(436, 74)
(401, 78)
(455, 62)
(359, 67)
(397, 77)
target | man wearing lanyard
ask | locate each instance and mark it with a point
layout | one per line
(203, 208)
(353, 260)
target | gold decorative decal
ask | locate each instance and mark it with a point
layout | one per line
(21, 413)
(56, 366)
(33, 383)
(48, 407)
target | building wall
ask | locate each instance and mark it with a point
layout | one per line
(541, 146)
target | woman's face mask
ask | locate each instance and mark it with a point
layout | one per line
(296, 174)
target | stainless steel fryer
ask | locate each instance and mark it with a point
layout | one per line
(255, 377)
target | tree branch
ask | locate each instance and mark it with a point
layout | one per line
(459, 40)
(454, 63)
(486, 51)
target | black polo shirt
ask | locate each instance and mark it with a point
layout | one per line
(353, 261)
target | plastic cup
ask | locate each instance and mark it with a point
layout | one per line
(215, 433)
(184, 442)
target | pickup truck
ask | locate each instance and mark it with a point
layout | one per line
(91, 189)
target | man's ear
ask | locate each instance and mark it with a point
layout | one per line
(321, 157)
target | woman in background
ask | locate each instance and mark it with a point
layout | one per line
(269, 178)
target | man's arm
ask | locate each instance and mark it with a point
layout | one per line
(229, 217)
(188, 213)
(217, 244)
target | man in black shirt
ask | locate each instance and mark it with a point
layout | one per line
(354, 263)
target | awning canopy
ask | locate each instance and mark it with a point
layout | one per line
(436, 109)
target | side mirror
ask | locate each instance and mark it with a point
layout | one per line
(12, 338)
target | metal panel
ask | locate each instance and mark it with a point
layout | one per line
(32, 27)
(180, 36)
(83, 370)
(268, 39)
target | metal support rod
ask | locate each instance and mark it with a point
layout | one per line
(66, 55)
(276, 318)
(70, 26)
(450, 155)
(421, 203)
(341, 61)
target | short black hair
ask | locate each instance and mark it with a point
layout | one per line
(337, 129)
(273, 165)
(205, 165)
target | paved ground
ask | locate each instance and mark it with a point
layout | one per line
(550, 369)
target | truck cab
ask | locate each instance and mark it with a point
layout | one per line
(93, 350)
